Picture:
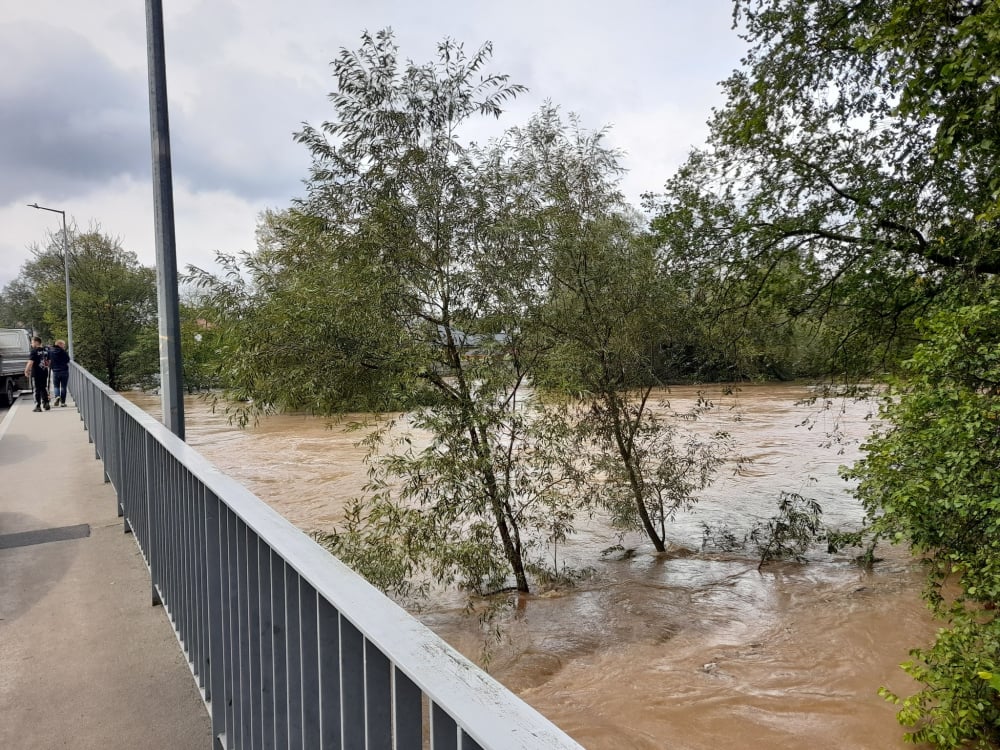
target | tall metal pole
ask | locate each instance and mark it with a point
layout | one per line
(69, 308)
(171, 376)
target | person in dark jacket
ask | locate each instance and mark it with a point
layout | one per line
(59, 364)
(37, 370)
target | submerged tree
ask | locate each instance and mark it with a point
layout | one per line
(201, 352)
(608, 312)
(412, 267)
(449, 280)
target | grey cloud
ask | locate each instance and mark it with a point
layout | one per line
(69, 118)
(239, 136)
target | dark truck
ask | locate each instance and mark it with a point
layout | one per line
(15, 346)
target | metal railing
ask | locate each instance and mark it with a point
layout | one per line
(290, 648)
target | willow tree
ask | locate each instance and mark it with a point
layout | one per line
(608, 311)
(404, 279)
(611, 311)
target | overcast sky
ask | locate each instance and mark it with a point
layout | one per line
(243, 76)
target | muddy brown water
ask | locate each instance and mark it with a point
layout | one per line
(692, 650)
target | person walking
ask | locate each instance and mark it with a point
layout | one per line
(37, 370)
(59, 365)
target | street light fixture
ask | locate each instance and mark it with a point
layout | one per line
(69, 310)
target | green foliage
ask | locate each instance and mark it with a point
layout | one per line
(374, 540)
(427, 517)
(406, 278)
(607, 316)
(842, 193)
(960, 705)
(114, 305)
(651, 468)
(930, 478)
(720, 538)
(788, 534)
(945, 56)
(201, 352)
(864, 539)
(290, 333)
(20, 307)
(742, 317)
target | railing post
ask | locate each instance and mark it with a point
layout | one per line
(215, 691)
(352, 684)
(279, 650)
(149, 484)
(293, 659)
(107, 424)
(265, 637)
(328, 625)
(252, 637)
(308, 647)
(120, 485)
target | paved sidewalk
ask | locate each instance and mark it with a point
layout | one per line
(85, 661)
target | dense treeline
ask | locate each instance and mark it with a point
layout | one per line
(113, 299)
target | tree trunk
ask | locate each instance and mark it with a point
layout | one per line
(504, 519)
(627, 454)
(512, 550)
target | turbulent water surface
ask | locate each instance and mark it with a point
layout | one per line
(690, 650)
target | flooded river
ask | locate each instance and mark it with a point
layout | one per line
(687, 651)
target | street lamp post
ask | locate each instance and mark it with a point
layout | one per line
(69, 309)
(171, 370)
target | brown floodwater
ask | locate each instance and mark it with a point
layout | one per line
(691, 650)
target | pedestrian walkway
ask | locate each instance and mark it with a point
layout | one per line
(85, 661)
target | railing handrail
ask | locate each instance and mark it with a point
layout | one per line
(486, 710)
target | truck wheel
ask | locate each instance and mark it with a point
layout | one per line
(9, 393)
